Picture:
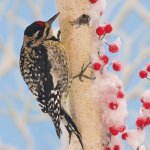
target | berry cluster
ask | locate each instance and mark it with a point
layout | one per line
(113, 48)
(102, 30)
(114, 94)
(144, 72)
(142, 121)
(115, 130)
(110, 88)
(103, 60)
(113, 106)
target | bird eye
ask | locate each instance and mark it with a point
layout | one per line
(38, 34)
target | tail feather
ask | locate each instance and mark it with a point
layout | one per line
(54, 110)
(52, 106)
(57, 127)
(56, 121)
(70, 126)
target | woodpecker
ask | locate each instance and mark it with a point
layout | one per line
(44, 65)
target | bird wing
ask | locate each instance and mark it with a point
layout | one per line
(36, 70)
(48, 96)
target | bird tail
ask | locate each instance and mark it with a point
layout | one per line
(54, 110)
(57, 127)
(70, 126)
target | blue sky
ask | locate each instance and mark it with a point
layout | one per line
(14, 94)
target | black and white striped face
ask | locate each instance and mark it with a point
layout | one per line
(38, 31)
(35, 33)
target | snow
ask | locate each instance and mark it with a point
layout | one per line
(146, 96)
(135, 138)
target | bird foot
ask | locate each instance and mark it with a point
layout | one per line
(82, 75)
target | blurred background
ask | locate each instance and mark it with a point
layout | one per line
(22, 125)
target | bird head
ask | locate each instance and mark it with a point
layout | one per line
(38, 31)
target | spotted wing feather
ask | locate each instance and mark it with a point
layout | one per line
(36, 70)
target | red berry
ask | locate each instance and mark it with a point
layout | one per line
(146, 105)
(143, 74)
(93, 1)
(105, 59)
(97, 66)
(148, 68)
(108, 28)
(113, 105)
(120, 94)
(116, 147)
(147, 121)
(113, 131)
(121, 128)
(124, 136)
(116, 66)
(100, 30)
(113, 48)
(140, 122)
(107, 148)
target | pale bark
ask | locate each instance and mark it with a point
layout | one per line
(79, 43)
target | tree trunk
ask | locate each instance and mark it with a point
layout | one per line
(80, 41)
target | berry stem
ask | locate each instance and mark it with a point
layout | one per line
(102, 37)
(107, 43)
(109, 66)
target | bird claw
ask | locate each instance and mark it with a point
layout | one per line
(80, 78)
(82, 75)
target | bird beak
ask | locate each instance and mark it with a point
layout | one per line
(51, 20)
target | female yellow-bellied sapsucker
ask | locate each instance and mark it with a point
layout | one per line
(45, 68)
